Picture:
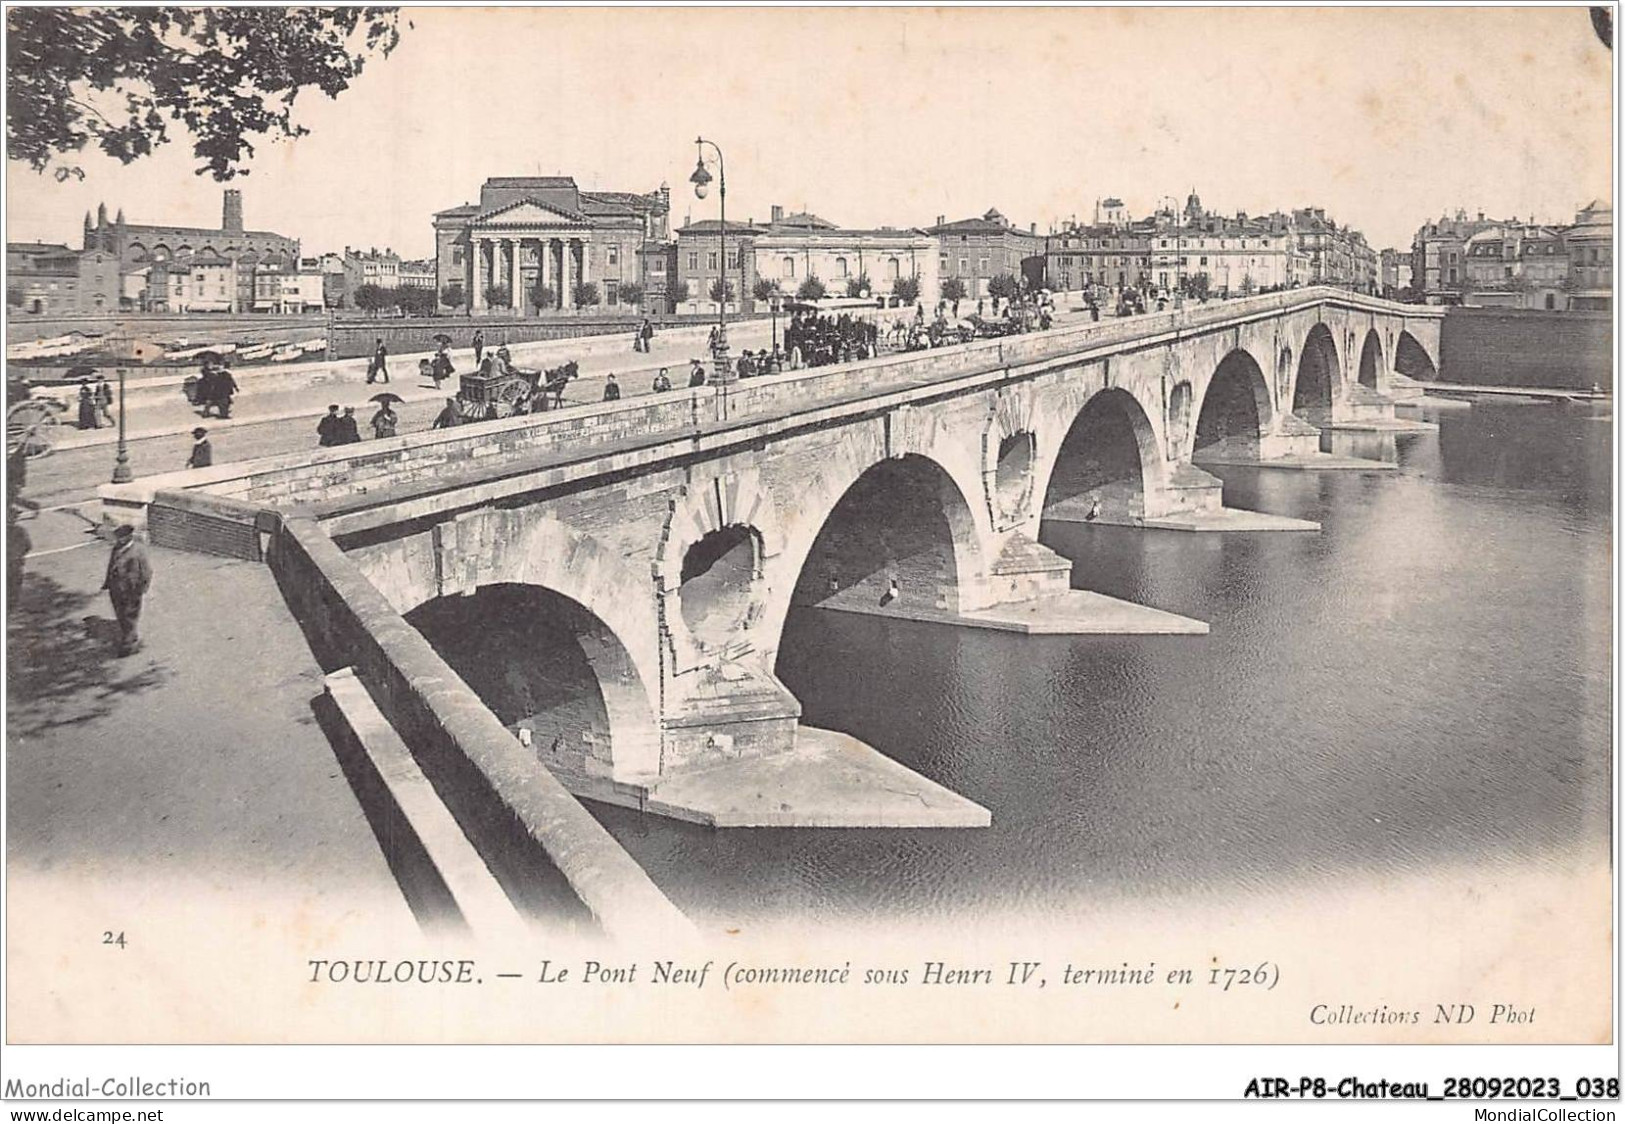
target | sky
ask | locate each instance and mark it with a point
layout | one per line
(888, 116)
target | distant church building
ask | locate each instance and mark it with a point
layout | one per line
(140, 246)
(531, 232)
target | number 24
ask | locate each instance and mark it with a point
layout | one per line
(111, 938)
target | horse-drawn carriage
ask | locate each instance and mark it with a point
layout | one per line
(497, 390)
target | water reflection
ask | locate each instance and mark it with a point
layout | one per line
(1424, 681)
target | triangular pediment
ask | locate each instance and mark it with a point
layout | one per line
(529, 212)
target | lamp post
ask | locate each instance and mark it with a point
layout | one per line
(701, 179)
(121, 460)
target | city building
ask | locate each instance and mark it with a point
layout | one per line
(1338, 255)
(194, 283)
(290, 291)
(136, 243)
(1590, 245)
(416, 274)
(531, 232)
(1438, 253)
(976, 250)
(1394, 273)
(48, 278)
(791, 249)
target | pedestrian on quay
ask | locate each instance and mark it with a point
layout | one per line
(87, 406)
(426, 373)
(349, 432)
(377, 367)
(448, 416)
(384, 422)
(327, 430)
(662, 381)
(104, 401)
(129, 575)
(696, 372)
(647, 332)
(202, 454)
(224, 387)
(442, 368)
(612, 389)
(479, 345)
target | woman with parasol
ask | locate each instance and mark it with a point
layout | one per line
(385, 420)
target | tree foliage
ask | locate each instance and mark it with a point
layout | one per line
(1005, 286)
(722, 290)
(544, 296)
(372, 298)
(585, 294)
(631, 293)
(415, 301)
(677, 290)
(452, 295)
(857, 286)
(953, 289)
(117, 77)
(906, 289)
(765, 289)
(812, 289)
(498, 296)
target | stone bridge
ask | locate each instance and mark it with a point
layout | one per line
(655, 547)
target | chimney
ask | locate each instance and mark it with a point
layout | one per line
(231, 218)
(942, 220)
(778, 214)
(1481, 216)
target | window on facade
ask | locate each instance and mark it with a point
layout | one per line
(840, 267)
(613, 257)
(711, 259)
(942, 263)
(981, 265)
(657, 265)
(612, 292)
(1204, 261)
(693, 262)
(964, 265)
(894, 268)
(736, 260)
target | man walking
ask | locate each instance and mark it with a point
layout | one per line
(376, 368)
(479, 345)
(327, 430)
(128, 576)
(104, 401)
(349, 430)
(202, 455)
(612, 389)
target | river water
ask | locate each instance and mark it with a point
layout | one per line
(1424, 683)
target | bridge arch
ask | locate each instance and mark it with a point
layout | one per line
(1316, 386)
(556, 583)
(1373, 373)
(904, 518)
(1412, 360)
(1236, 407)
(1110, 456)
(543, 661)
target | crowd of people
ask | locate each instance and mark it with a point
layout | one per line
(816, 339)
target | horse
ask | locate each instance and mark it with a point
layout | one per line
(558, 378)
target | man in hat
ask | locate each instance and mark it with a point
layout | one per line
(327, 430)
(128, 576)
(104, 401)
(349, 429)
(202, 455)
(377, 367)
(612, 389)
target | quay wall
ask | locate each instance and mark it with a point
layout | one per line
(1527, 347)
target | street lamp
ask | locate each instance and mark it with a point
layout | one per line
(701, 179)
(121, 461)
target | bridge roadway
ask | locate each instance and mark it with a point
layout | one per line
(666, 538)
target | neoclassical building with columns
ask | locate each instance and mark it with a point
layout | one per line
(530, 230)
